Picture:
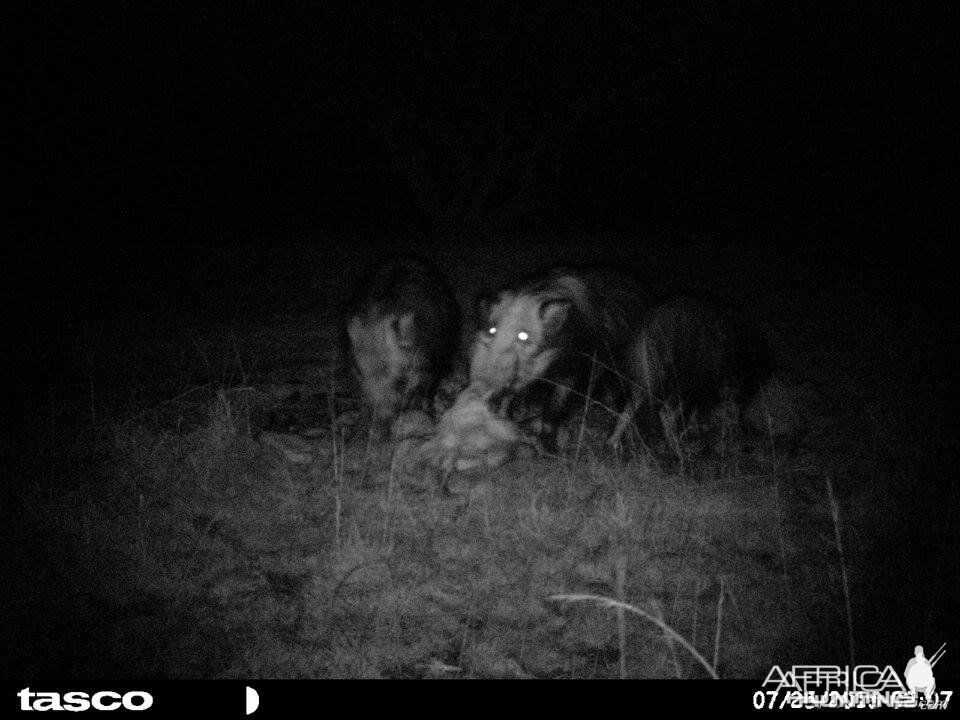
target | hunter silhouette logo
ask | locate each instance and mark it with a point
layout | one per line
(918, 675)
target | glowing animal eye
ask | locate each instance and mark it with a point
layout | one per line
(522, 336)
(492, 331)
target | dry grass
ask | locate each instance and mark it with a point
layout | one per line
(196, 551)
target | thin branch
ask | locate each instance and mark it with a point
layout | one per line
(615, 604)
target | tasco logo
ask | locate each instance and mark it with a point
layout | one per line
(81, 701)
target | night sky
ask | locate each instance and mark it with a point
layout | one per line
(189, 121)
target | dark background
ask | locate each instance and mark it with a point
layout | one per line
(154, 142)
(195, 160)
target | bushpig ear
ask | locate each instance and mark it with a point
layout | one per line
(483, 305)
(553, 313)
(405, 327)
(354, 330)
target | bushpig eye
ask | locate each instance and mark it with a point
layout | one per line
(492, 331)
(523, 336)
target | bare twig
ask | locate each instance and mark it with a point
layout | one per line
(716, 640)
(611, 603)
(835, 512)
